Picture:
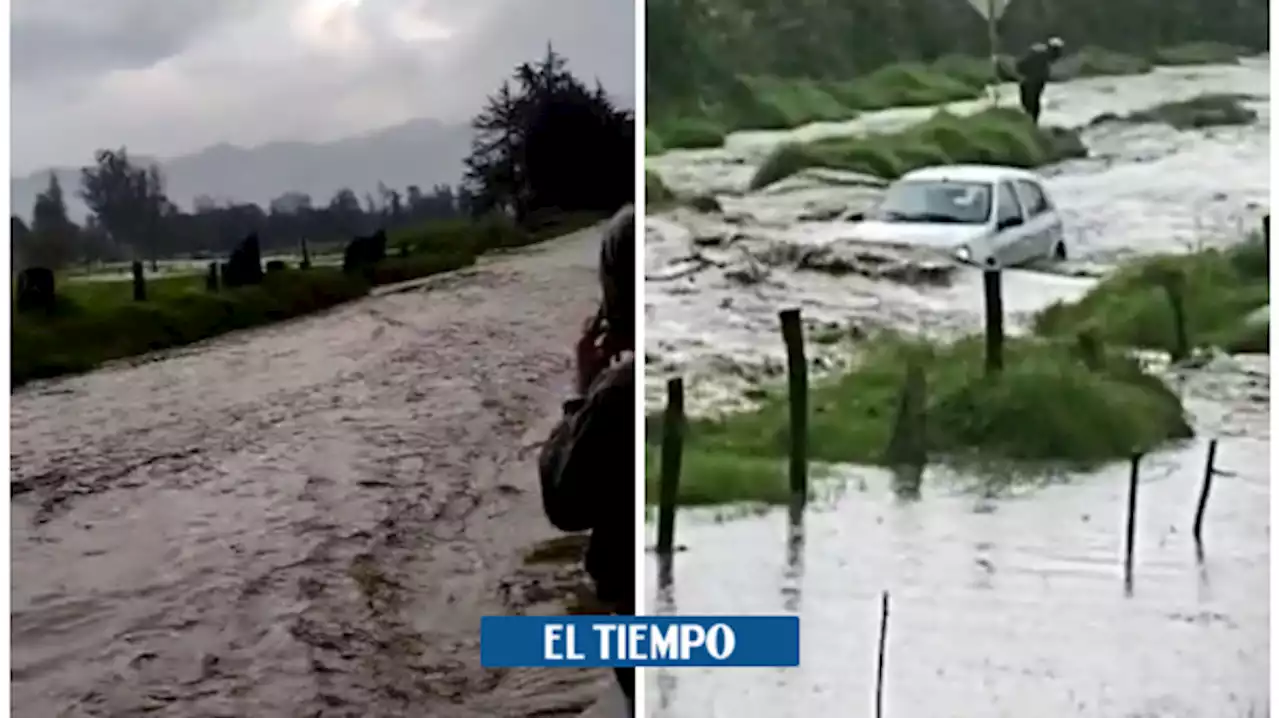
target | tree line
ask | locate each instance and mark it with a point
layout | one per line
(545, 142)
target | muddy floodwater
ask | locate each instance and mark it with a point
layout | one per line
(307, 519)
(1008, 606)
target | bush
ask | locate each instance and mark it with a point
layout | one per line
(1220, 288)
(996, 136)
(1045, 409)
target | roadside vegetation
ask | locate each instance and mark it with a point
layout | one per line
(95, 321)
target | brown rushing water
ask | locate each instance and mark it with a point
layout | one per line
(303, 520)
(1004, 607)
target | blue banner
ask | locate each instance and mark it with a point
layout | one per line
(639, 641)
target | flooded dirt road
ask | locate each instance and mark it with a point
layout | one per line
(303, 520)
(1012, 606)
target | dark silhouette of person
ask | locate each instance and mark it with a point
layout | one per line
(588, 465)
(1033, 74)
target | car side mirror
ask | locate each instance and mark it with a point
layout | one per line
(1008, 223)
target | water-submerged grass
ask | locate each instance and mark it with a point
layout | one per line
(1209, 110)
(1049, 408)
(1220, 288)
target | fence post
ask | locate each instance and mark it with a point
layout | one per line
(884, 633)
(672, 449)
(139, 282)
(1131, 525)
(211, 277)
(1204, 490)
(995, 320)
(798, 385)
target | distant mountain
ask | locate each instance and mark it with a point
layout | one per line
(422, 152)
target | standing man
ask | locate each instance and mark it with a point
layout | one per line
(1033, 74)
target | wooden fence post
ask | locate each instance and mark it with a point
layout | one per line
(139, 282)
(798, 385)
(884, 633)
(1204, 490)
(1131, 524)
(672, 449)
(995, 320)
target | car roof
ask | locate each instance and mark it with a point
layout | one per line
(971, 173)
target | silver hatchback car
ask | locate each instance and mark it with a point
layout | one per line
(986, 215)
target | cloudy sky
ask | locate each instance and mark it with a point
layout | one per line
(167, 77)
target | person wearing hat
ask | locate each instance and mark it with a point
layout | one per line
(1033, 74)
(587, 466)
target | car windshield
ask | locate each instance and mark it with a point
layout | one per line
(939, 201)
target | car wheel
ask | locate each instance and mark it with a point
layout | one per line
(1060, 252)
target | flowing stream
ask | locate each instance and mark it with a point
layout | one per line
(999, 607)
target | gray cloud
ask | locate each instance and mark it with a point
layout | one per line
(166, 78)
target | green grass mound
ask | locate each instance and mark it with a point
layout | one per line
(1200, 53)
(1000, 136)
(1047, 409)
(1210, 110)
(684, 133)
(653, 143)
(1131, 308)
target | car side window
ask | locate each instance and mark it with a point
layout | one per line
(1007, 205)
(1033, 198)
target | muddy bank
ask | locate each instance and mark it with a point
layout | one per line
(307, 519)
(1011, 606)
